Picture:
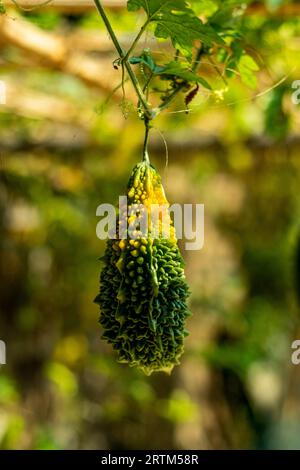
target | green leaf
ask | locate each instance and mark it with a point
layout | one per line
(175, 20)
(205, 7)
(228, 13)
(248, 62)
(176, 69)
(277, 121)
(2, 8)
(146, 59)
(247, 68)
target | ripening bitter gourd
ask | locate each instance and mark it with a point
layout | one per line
(143, 291)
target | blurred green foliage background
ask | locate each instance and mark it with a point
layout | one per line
(238, 152)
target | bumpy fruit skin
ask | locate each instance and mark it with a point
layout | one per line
(143, 290)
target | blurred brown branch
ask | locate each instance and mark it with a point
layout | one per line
(67, 5)
(33, 104)
(79, 6)
(54, 51)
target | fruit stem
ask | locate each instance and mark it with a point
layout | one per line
(146, 139)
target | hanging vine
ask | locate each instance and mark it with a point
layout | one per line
(143, 290)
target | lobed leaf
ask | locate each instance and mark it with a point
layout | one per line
(176, 20)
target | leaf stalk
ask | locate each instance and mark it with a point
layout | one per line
(123, 56)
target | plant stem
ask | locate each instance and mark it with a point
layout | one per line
(166, 103)
(145, 147)
(196, 63)
(217, 70)
(142, 99)
(136, 40)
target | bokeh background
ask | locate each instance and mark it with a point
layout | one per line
(67, 144)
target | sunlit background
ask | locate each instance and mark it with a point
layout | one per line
(68, 142)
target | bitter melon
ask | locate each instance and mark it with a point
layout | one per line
(143, 290)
